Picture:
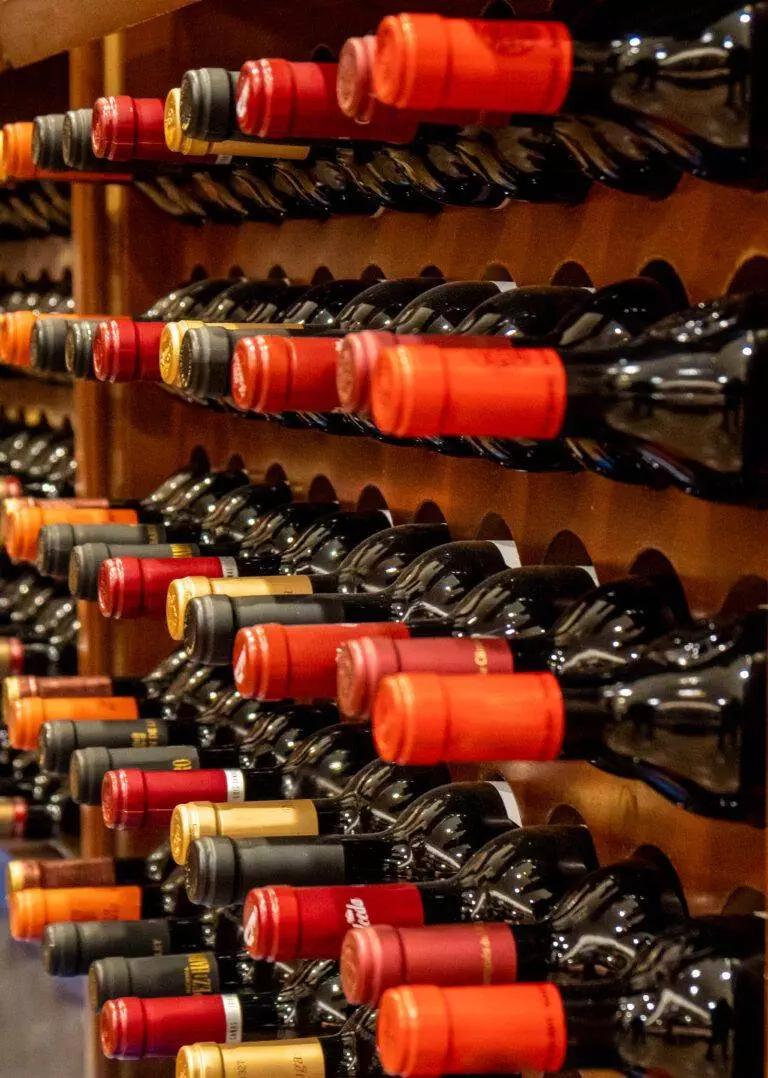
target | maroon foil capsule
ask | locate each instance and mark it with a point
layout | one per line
(362, 663)
(379, 957)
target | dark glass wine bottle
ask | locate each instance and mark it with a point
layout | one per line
(425, 593)
(432, 839)
(516, 877)
(309, 1002)
(371, 801)
(70, 947)
(594, 931)
(695, 737)
(705, 124)
(294, 754)
(690, 1005)
(371, 566)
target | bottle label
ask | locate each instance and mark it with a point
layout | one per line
(178, 550)
(509, 801)
(235, 781)
(200, 976)
(148, 737)
(228, 567)
(233, 1017)
(509, 552)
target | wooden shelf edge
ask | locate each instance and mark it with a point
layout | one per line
(31, 30)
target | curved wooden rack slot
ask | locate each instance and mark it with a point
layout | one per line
(371, 499)
(322, 490)
(492, 526)
(495, 271)
(573, 275)
(566, 549)
(666, 276)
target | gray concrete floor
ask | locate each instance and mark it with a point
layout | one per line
(41, 1017)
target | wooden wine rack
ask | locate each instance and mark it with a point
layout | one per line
(700, 242)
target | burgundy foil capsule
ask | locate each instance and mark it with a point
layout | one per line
(362, 663)
(125, 351)
(131, 1028)
(279, 98)
(131, 798)
(286, 923)
(138, 587)
(379, 957)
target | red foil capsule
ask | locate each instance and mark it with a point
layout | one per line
(125, 351)
(284, 374)
(285, 923)
(131, 798)
(277, 662)
(133, 128)
(138, 587)
(131, 1028)
(282, 99)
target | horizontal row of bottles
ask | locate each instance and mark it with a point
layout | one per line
(431, 111)
(386, 622)
(615, 381)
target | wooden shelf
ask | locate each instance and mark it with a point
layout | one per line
(32, 30)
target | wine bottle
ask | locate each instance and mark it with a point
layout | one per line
(713, 971)
(587, 936)
(303, 759)
(55, 817)
(206, 351)
(370, 801)
(425, 592)
(371, 566)
(70, 947)
(594, 637)
(131, 586)
(518, 876)
(31, 909)
(507, 604)
(201, 973)
(707, 130)
(88, 872)
(432, 839)
(310, 1001)
(516, 604)
(645, 725)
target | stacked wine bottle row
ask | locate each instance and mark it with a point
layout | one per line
(401, 118)
(324, 882)
(555, 378)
